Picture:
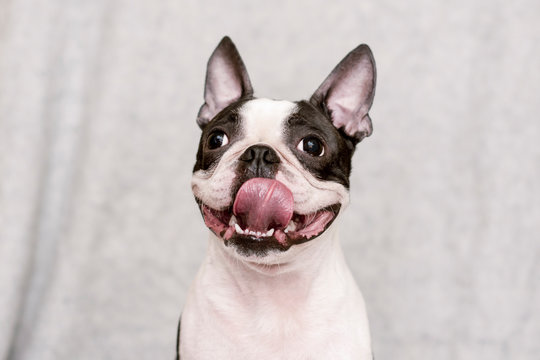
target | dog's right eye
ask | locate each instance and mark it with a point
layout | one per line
(217, 139)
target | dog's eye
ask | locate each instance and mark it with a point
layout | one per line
(311, 145)
(217, 139)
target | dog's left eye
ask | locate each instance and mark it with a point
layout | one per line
(311, 145)
(217, 139)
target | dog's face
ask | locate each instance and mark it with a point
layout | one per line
(272, 174)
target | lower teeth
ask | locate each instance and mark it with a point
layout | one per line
(253, 233)
(290, 227)
(238, 229)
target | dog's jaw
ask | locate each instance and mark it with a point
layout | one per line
(247, 242)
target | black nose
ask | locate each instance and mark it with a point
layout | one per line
(259, 161)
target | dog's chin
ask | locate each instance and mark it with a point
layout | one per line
(248, 243)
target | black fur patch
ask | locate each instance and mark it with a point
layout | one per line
(335, 163)
(247, 245)
(178, 339)
(228, 121)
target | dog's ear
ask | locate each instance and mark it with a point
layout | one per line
(227, 81)
(347, 93)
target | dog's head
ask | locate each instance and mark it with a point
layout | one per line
(272, 174)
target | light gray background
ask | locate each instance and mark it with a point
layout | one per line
(100, 236)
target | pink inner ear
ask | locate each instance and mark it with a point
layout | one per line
(348, 93)
(349, 99)
(226, 81)
(223, 86)
(353, 121)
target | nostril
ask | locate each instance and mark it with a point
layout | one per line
(270, 156)
(248, 155)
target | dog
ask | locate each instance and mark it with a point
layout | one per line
(270, 179)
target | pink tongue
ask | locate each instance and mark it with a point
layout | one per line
(262, 204)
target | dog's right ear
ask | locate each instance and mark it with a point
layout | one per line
(227, 81)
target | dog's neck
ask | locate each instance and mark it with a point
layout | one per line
(310, 290)
(308, 272)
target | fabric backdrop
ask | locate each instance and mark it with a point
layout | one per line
(100, 236)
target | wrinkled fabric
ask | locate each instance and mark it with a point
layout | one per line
(100, 236)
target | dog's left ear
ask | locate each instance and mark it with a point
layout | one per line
(227, 81)
(347, 93)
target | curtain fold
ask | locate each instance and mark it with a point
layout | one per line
(100, 236)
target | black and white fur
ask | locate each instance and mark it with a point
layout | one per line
(255, 297)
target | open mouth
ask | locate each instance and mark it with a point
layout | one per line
(262, 218)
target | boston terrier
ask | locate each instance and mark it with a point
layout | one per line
(270, 179)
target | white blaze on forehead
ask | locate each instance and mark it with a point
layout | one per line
(263, 120)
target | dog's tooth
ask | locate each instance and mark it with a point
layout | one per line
(238, 229)
(291, 226)
(270, 232)
(232, 221)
